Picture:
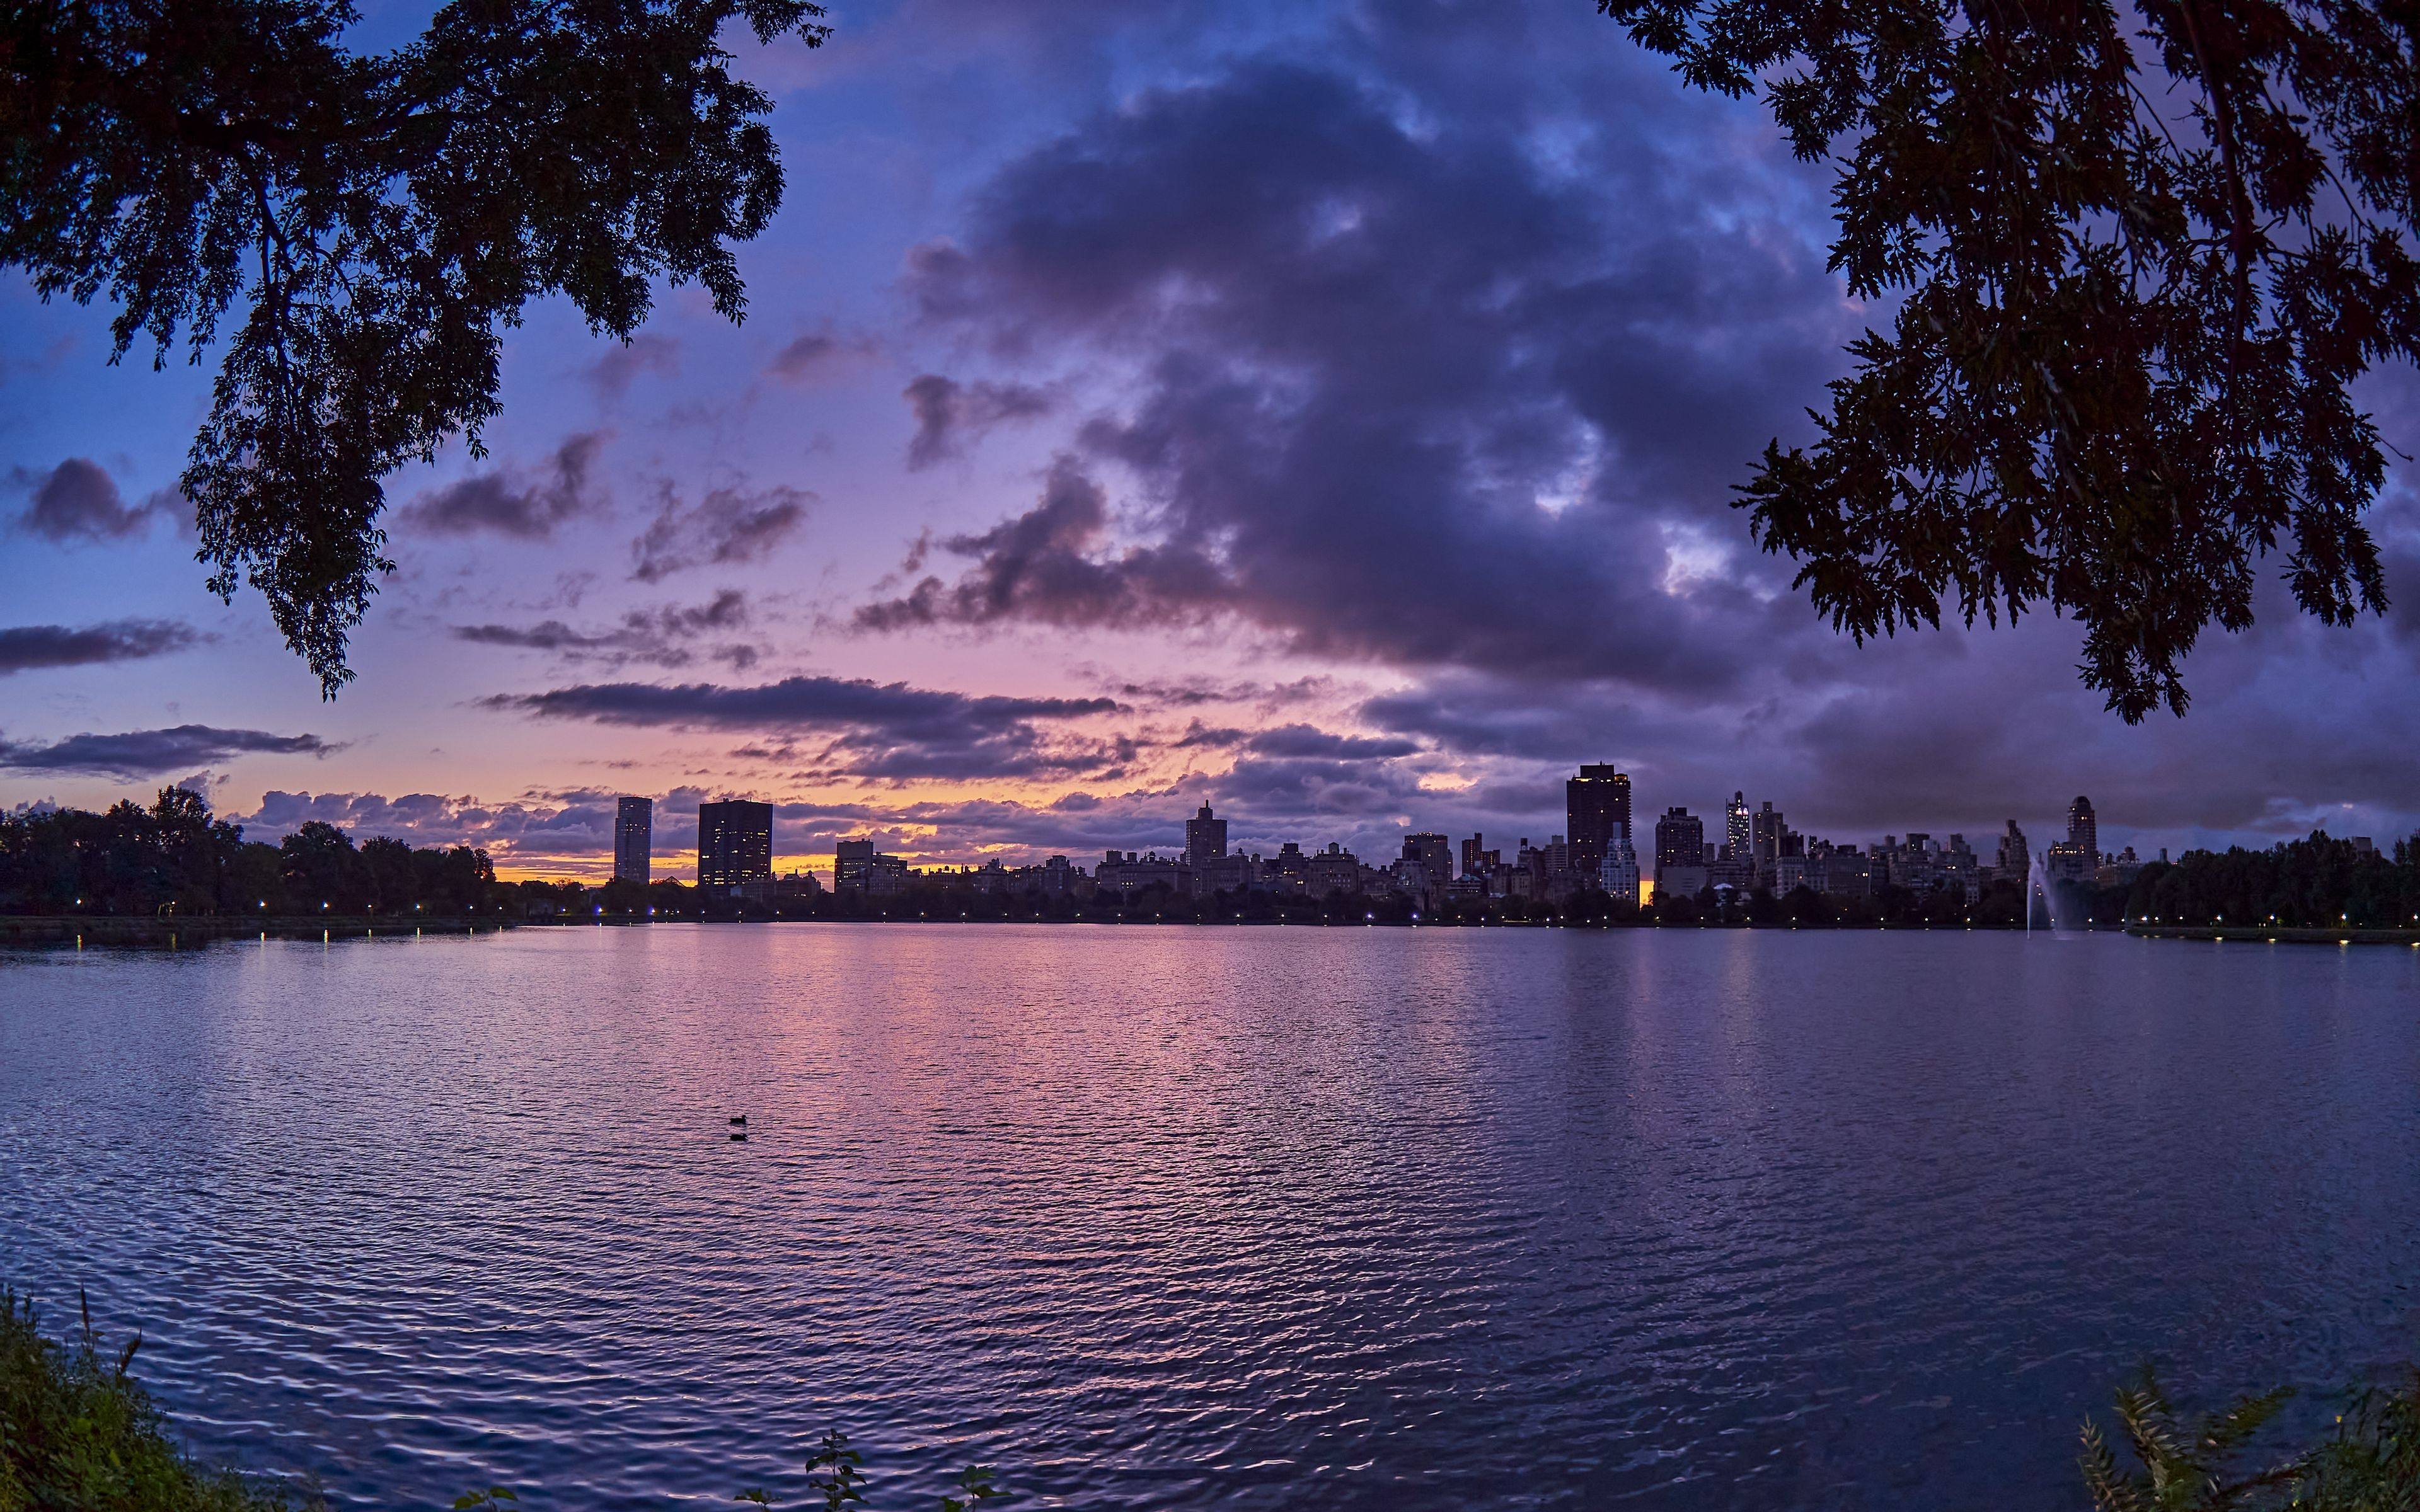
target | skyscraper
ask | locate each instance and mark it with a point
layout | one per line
(851, 860)
(634, 840)
(735, 843)
(2014, 860)
(1680, 840)
(1206, 837)
(2084, 831)
(1736, 835)
(1435, 854)
(1617, 874)
(1765, 830)
(1598, 806)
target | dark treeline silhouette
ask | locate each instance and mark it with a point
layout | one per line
(175, 858)
(2315, 882)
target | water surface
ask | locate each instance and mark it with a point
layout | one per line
(1192, 1216)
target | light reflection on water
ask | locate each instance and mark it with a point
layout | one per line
(1175, 1217)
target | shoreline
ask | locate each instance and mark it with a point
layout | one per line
(173, 931)
(177, 932)
(2278, 934)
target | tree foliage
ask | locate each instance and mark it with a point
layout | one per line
(2179, 1462)
(2136, 257)
(380, 219)
(2316, 881)
(174, 858)
(77, 1431)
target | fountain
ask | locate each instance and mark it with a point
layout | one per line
(2042, 893)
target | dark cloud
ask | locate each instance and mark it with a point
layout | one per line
(1211, 737)
(611, 374)
(2401, 561)
(26, 647)
(1046, 565)
(727, 526)
(510, 501)
(1300, 740)
(1961, 731)
(551, 836)
(952, 416)
(887, 730)
(1405, 393)
(150, 753)
(817, 355)
(662, 636)
(78, 500)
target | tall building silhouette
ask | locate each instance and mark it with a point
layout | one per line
(1206, 837)
(735, 843)
(1597, 805)
(851, 860)
(1766, 830)
(634, 840)
(1617, 874)
(2084, 831)
(1680, 840)
(1736, 834)
(1435, 854)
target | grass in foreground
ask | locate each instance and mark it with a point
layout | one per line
(2181, 1463)
(79, 1434)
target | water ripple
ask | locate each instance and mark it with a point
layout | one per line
(1175, 1218)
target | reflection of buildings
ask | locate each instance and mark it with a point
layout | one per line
(634, 835)
(735, 843)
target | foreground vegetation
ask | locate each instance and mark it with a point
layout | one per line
(2174, 1462)
(79, 1434)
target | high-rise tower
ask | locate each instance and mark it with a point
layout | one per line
(1598, 806)
(1205, 839)
(2084, 831)
(634, 839)
(1766, 830)
(735, 843)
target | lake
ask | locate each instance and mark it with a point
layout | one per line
(1192, 1216)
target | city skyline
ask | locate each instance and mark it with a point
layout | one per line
(965, 539)
(1756, 849)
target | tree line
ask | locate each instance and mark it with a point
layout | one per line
(2314, 882)
(174, 857)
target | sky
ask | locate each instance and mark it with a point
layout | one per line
(1330, 413)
